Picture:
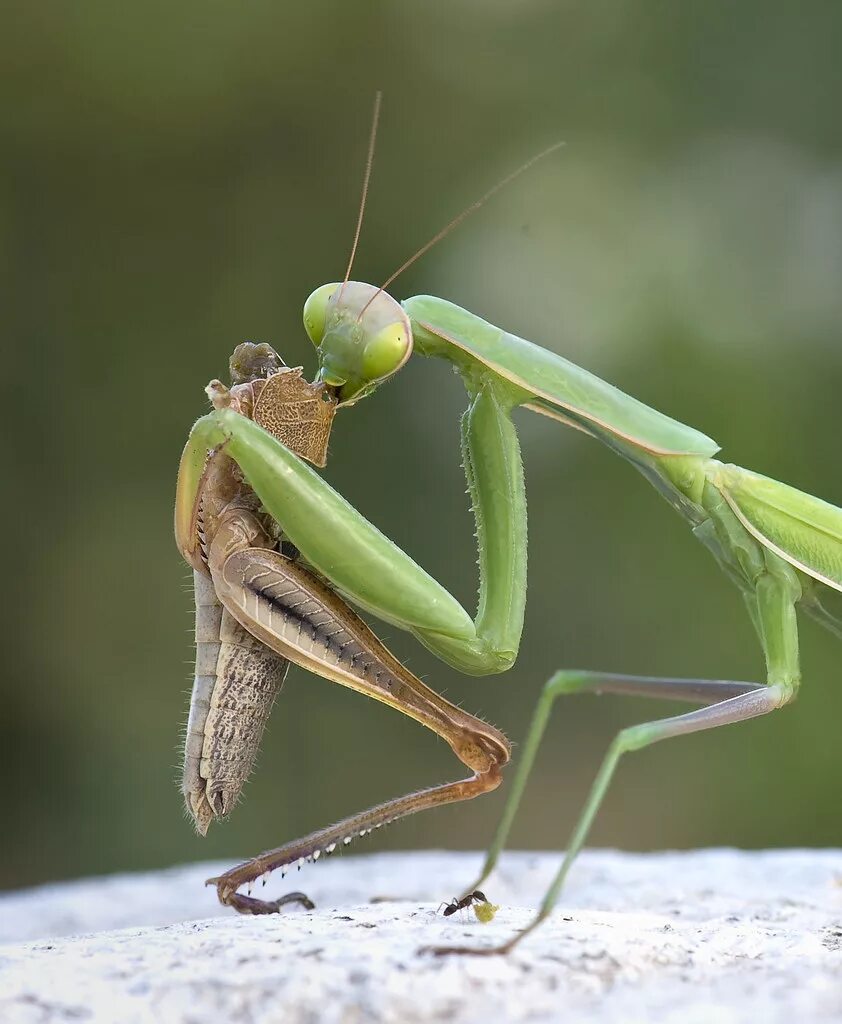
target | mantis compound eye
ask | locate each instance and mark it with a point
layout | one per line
(315, 312)
(385, 352)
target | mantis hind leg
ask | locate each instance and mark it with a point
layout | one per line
(749, 700)
(570, 681)
(727, 702)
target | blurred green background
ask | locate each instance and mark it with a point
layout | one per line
(177, 178)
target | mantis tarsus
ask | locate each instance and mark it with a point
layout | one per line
(276, 553)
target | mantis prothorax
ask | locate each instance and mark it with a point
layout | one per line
(273, 547)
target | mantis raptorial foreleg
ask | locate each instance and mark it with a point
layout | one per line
(367, 567)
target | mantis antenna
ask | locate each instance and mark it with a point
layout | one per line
(457, 220)
(375, 117)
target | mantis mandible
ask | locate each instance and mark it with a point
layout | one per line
(278, 556)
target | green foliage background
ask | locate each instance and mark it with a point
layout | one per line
(177, 177)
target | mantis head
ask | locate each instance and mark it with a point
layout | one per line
(361, 334)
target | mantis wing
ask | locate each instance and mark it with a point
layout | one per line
(803, 530)
(554, 384)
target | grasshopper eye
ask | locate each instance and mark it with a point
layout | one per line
(315, 312)
(385, 352)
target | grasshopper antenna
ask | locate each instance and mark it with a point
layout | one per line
(457, 220)
(372, 138)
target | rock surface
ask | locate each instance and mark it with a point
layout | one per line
(706, 937)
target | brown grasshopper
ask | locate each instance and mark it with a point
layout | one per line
(260, 606)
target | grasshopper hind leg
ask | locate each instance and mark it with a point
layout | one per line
(287, 609)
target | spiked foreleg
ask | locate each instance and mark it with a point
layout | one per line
(363, 564)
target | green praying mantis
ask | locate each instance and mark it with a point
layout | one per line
(279, 556)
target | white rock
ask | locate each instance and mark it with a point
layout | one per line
(705, 937)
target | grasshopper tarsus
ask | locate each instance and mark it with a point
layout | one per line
(252, 905)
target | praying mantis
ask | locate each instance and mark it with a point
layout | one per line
(279, 557)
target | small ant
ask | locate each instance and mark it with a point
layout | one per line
(466, 901)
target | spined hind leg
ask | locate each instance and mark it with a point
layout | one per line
(285, 607)
(249, 905)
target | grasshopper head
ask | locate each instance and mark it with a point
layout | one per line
(250, 362)
(362, 336)
(279, 399)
